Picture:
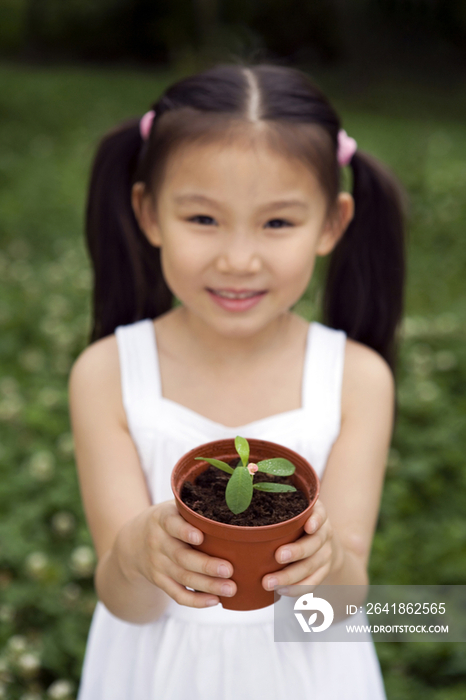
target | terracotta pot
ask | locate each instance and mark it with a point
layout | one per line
(249, 549)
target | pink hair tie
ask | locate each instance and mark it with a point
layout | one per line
(145, 125)
(346, 148)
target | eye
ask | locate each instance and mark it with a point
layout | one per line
(278, 223)
(203, 220)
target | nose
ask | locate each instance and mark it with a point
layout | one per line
(239, 254)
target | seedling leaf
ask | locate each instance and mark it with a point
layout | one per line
(271, 487)
(242, 448)
(278, 466)
(218, 463)
(238, 493)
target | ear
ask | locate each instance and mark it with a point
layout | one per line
(145, 215)
(336, 224)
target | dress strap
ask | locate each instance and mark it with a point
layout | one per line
(139, 370)
(323, 376)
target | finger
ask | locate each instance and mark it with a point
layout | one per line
(304, 547)
(176, 526)
(298, 571)
(182, 596)
(316, 578)
(199, 582)
(191, 559)
(311, 582)
(317, 518)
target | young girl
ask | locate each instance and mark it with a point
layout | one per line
(222, 196)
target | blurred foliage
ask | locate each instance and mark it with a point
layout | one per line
(51, 121)
(166, 31)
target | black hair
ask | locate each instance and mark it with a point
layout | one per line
(364, 288)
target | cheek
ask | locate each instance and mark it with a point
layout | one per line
(294, 264)
(182, 265)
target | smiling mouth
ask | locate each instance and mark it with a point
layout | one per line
(236, 294)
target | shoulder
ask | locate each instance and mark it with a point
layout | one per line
(95, 377)
(366, 365)
(98, 359)
(367, 378)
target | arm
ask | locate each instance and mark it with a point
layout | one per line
(340, 531)
(142, 549)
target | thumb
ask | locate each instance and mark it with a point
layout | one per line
(316, 519)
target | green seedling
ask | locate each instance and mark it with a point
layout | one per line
(239, 490)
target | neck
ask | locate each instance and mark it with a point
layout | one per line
(220, 349)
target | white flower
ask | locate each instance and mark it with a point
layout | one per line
(57, 305)
(63, 363)
(59, 690)
(65, 337)
(36, 564)
(42, 465)
(421, 359)
(5, 309)
(72, 592)
(82, 280)
(50, 326)
(33, 360)
(7, 612)
(48, 397)
(10, 407)
(6, 677)
(29, 663)
(5, 674)
(20, 271)
(63, 522)
(393, 459)
(8, 386)
(65, 444)
(428, 391)
(445, 360)
(82, 561)
(17, 643)
(55, 272)
(414, 326)
(446, 323)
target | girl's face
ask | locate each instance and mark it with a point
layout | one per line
(239, 227)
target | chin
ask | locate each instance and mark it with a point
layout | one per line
(238, 328)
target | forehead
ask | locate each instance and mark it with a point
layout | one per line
(242, 160)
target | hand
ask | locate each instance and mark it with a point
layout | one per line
(314, 554)
(165, 558)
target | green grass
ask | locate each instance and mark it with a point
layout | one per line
(51, 120)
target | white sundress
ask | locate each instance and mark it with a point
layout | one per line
(213, 653)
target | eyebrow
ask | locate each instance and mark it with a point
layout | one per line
(202, 199)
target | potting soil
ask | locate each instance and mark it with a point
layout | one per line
(206, 496)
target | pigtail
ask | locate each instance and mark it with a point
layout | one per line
(128, 281)
(364, 289)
